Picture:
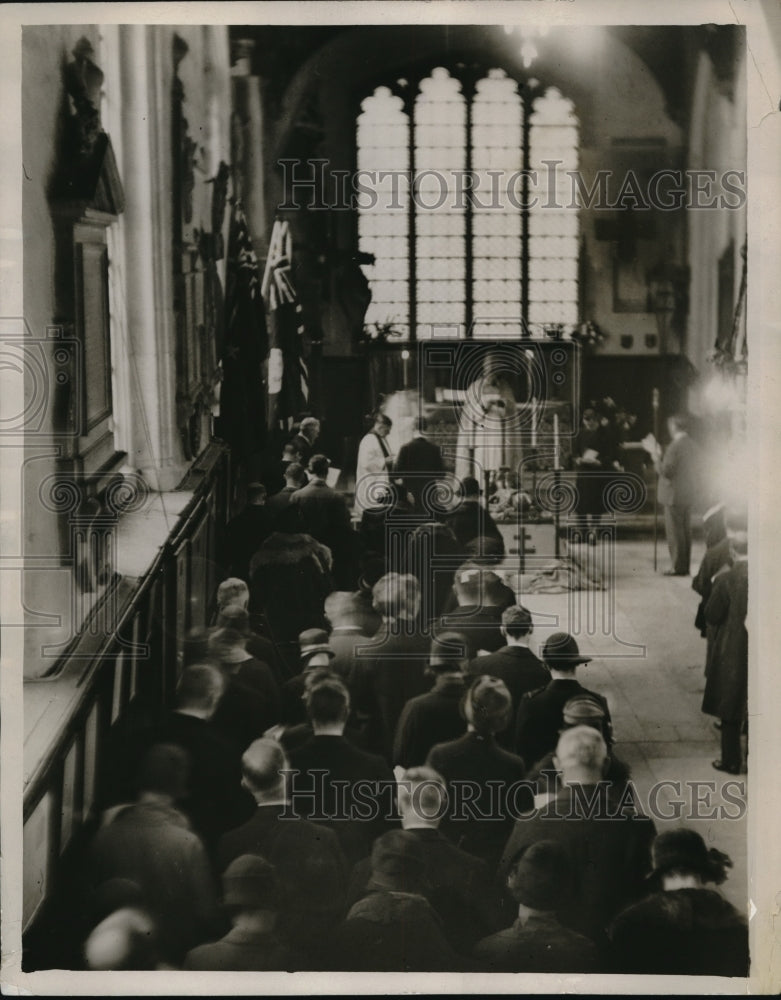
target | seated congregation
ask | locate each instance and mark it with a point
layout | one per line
(366, 768)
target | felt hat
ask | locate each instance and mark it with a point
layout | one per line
(447, 649)
(539, 878)
(250, 881)
(561, 649)
(398, 863)
(685, 851)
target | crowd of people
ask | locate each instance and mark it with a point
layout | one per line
(367, 768)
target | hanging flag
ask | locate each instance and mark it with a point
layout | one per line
(287, 375)
(243, 392)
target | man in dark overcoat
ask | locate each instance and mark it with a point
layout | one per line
(726, 682)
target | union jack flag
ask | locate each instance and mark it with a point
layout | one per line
(287, 375)
(242, 394)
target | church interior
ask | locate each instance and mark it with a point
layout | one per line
(524, 245)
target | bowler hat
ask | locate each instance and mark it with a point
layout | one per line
(250, 881)
(561, 648)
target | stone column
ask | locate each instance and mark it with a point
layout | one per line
(146, 79)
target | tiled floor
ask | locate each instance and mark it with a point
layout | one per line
(654, 692)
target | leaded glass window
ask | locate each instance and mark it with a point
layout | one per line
(553, 231)
(447, 262)
(383, 145)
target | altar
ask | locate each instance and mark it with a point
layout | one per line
(502, 453)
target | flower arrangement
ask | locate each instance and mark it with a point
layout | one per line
(381, 333)
(726, 363)
(589, 334)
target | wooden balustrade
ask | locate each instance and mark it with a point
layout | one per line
(130, 667)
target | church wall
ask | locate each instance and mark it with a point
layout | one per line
(628, 131)
(135, 104)
(47, 584)
(717, 142)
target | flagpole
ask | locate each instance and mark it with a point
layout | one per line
(655, 406)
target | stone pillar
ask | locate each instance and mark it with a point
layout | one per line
(146, 77)
(249, 148)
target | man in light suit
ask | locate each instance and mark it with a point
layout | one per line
(419, 463)
(678, 475)
(374, 462)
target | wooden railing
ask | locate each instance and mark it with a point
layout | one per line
(136, 663)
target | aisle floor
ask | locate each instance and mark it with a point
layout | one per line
(648, 662)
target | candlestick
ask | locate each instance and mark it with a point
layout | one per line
(473, 436)
(555, 441)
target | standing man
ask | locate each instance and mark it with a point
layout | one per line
(678, 475)
(323, 514)
(478, 616)
(392, 669)
(248, 530)
(282, 518)
(152, 844)
(592, 456)
(374, 462)
(304, 441)
(419, 463)
(434, 717)
(351, 791)
(726, 679)
(470, 520)
(460, 887)
(309, 863)
(607, 841)
(515, 663)
(540, 715)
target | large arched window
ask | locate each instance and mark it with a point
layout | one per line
(498, 262)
